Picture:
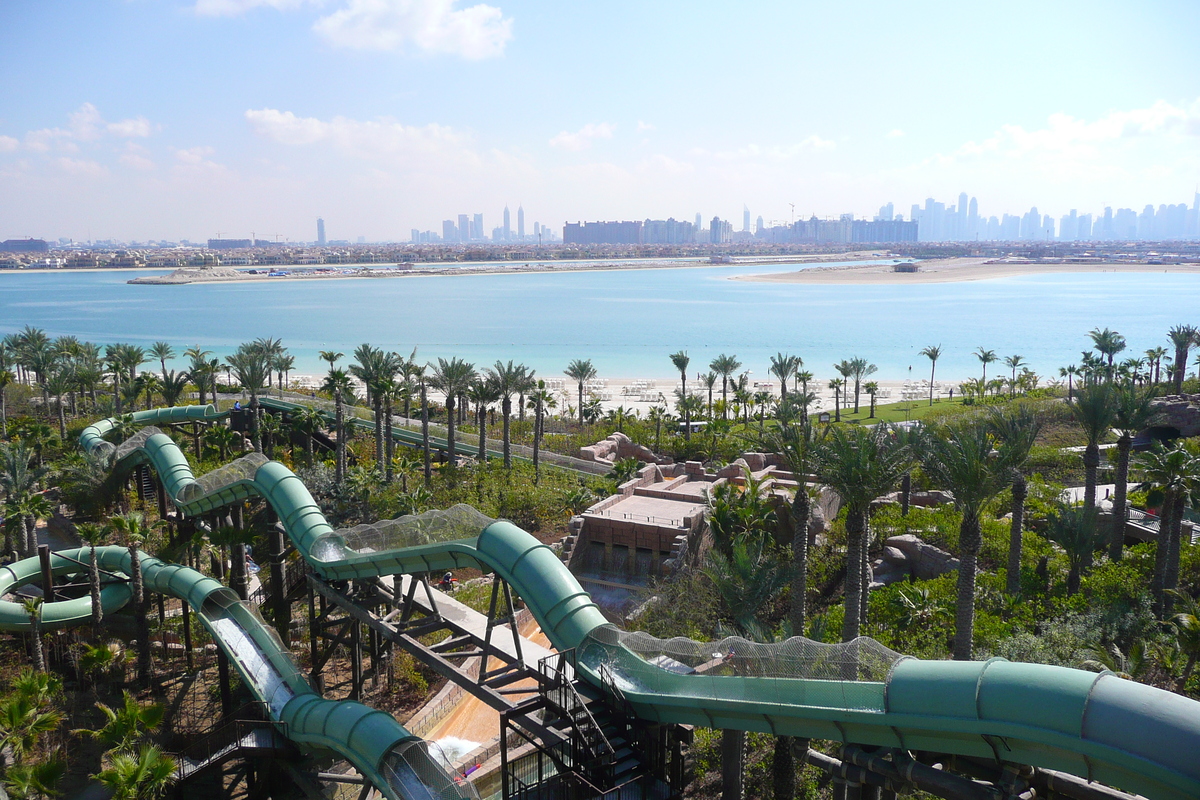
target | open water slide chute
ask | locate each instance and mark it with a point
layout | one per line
(1093, 725)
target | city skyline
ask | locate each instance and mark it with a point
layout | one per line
(352, 111)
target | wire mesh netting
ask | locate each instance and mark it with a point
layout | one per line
(457, 522)
(135, 442)
(796, 672)
(417, 768)
(243, 469)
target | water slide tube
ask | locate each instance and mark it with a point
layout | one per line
(1095, 726)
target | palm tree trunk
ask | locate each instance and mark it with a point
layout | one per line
(905, 493)
(1171, 578)
(1116, 541)
(581, 403)
(506, 409)
(799, 594)
(964, 615)
(1020, 489)
(139, 610)
(94, 590)
(1091, 464)
(856, 523)
(450, 427)
(35, 640)
(483, 433)
(425, 435)
(339, 417)
(537, 441)
(865, 567)
(255, 435)
(1162, 550)
(377, 403)
(733, 757)
(783, 770)
(389, 443)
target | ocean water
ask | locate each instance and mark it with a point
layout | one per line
(625, 321)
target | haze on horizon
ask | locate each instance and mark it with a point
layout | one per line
(164, 119)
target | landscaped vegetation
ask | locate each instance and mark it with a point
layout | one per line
(1040, 578)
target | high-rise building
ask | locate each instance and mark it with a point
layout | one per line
(464, 228)
(477, 233)
(521, 222)
(758, 226)
(416, 236)
(960, 231)
(320, 232)
(886, 213)
(720, 231)
(699, 222)
(507, 226)
(973, 220)
(449, 231)
(746, 218)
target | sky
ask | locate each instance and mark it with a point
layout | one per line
(166, 119)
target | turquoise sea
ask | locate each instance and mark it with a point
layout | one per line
(625, 321)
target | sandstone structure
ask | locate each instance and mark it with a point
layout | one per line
(908, 556)
(616, 447)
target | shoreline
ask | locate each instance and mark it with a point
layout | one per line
(955, 270)
(194, 275)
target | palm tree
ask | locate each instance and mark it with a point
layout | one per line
(507, 378)
(419, 374)
(680, 361)
(985, 357)
(132, 528)
(7, 378)
(795, 445)
(483, 391)
(283, 364)
(581, 371)
(725, 366)
(375, 369)
(846, 370)
(144, 775)
(332, 356)
(962, 459)
(871, 387)
(307, 421)
(1094, 409)
(1069, 372)
(452, 378)
(251, 364)
(337, 383)
(58, 382)
(1174, 472)
(933, 352)
(198, 368)
(1012, 362)
(1018, 428)
(1108, 343)
(1133, 410)
(1154, 357)
(1182, 337)
(1186, 626)
(33, 609)
(540, 399)
(709, 379)
(783, 366)
(1074, 530)
(859, 464)
(162, 351)
(836, 385)
(859, 369)
(127, 725)
(93, 535)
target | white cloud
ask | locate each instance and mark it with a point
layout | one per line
(895, 133)
(233, 8)
(8, 144)
(81, 167)
(368, 140)
(193, 155)
(582, 138)
(645, 126)
(432, 26)
(755, 152)
(129, 128)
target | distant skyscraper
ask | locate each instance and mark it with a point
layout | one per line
(699, 221)
(521, 222)
(887, 213)
(320, 232)
(746, 218)
(507, 225)
(449, 232)
(464, 228)
(973, 220)
(478, 233)
(758, 228)
(416, 236)
(961, 226)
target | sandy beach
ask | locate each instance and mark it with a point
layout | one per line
(953, 269)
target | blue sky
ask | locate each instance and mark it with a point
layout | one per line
(138, 119)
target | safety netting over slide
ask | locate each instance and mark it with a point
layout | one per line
(857, 670)
(135, 442)
(243, 469)
(457, 522)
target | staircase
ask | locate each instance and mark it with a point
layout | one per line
(245, 738)
(605, 751)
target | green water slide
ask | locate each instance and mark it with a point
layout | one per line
(1095, 726)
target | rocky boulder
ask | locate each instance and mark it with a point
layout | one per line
(616, 447)
(908, 556)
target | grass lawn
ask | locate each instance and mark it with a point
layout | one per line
(896, 412)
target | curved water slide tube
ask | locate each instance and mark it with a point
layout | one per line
(1095, 726)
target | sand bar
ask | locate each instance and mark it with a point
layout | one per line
(950, 270)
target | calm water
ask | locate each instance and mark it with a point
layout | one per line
(627, 322)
